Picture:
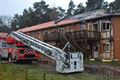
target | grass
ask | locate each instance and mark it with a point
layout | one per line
(36, 72)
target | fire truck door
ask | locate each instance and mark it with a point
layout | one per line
(4, 53)
(4, 50)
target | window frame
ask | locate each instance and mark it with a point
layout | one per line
(82, 27)
(106, 47)
(105, 23)
(4, 44)
(95, 25)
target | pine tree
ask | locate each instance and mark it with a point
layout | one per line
(94, 4)
(70, 9)
(105, 5)
(61, 12)
(115, 5)
(3, 24)
(40, 13)
(80, 9)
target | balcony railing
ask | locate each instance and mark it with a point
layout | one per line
(85, 34)
(55, 36)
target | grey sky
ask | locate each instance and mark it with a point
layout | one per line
(11, 7)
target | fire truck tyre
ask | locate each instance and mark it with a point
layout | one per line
(15, 60)
(9, 58)
(28, 61)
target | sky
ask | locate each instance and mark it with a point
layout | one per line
(11, 7)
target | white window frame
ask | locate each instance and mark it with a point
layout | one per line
(93, 28)
(106, 47)
(82, 27)
(106, 22)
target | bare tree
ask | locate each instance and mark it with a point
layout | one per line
(5, 22)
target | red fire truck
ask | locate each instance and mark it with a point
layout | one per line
(13, 50)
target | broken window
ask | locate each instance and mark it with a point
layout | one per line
(106, 26)
(103, 27)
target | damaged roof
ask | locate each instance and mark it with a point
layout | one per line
(73, 19)
(48, 25)
(94, 15)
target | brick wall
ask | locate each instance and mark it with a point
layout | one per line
(116, 36)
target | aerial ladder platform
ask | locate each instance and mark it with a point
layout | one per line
(66, 62)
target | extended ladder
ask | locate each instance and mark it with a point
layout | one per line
(65, 62)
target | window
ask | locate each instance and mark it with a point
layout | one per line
(103, 27)
(95, 27)
(96, 48)
(106, 26)
(106, 47)
(82, 27)
(71, 56)
(61, 30)
(75, 63)
(4, 44)
(45, 33)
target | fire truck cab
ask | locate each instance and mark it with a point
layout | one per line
(6, 50)
(13, 50)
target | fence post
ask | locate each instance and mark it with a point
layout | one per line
(5, 67)
(12, 73)
(44, 76)
(26, 73)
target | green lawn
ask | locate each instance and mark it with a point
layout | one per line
(36, 72)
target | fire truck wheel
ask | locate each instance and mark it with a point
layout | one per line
(28, 61)
(15, 60)
(9, 58)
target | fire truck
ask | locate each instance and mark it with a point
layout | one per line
(66, 62)
(13, 50)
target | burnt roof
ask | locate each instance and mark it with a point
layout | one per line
(48, 25)
(94, 15)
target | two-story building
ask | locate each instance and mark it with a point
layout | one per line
(95, 33)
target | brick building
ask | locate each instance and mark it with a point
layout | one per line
(95, 33)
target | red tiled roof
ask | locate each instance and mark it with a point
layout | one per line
(48, 25)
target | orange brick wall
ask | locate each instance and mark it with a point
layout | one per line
(72, 27)
(39, 34)
(116, 36)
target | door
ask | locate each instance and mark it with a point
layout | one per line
(95, 51)
(4, 51)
